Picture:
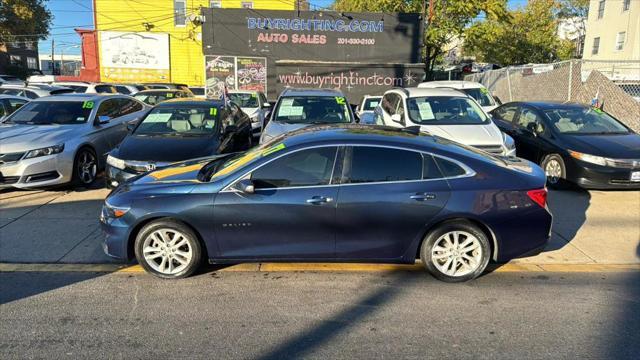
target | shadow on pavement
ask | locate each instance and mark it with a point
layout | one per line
(627, 320)
(19, 285)
(569, 210)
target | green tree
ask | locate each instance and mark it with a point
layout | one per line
(445, 22)
(528, 35)
(24, 17)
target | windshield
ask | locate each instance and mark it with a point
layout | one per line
(156, 97)
(52, 112)
(481, 95)
(584, 121)
(370, 104)
(445, 110)
(313, 110)
(179, 121)
(244, 100)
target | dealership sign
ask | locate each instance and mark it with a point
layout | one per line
(134, 56)
(236, 73)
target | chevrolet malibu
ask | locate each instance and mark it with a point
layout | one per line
(338, 193)
(64, 138)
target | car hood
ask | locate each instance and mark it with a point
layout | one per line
(483, 134)
(625, 146)
(275, 128)
(250, 111)
(16, 137)
(166, 148)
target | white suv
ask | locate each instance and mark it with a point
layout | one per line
(447, 113)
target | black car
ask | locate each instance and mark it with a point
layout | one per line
(178, 130)
(156, 96)
(573, 143)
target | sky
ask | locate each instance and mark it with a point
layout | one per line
(70, 14)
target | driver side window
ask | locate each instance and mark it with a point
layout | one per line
(108, 108)
(531, 121)
(310, 167)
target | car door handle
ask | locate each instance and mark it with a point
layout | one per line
(422, 197)
(316, 200)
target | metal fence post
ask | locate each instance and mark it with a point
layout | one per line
(570, 80)
(509, 85)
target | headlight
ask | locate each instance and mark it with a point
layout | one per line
(56, 149)
(115, 162)
(598, 160)
(255, 118)
(509, 143)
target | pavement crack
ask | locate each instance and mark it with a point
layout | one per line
(76, 245)
(577, 248)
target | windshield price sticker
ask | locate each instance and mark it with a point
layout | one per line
(374, 103)
(213, 111)
(157, 118)
(169, 95)
(287, 102)
(425, 111)
(484, 91)
(341, 101)
(87, 105)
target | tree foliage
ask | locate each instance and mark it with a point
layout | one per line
(448, 20)
(24, 17)
(528, 35)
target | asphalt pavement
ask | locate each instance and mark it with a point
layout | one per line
(339, 315)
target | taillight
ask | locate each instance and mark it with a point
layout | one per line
(539, 196)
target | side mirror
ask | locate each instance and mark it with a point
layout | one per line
(246, 186)
(266, 105)
(103, 119)
(132, 125)
(533, 128)
(396, 118)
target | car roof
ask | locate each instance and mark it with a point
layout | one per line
(420, 92)
(456, 84)
(310, 92)
(542, 105)
(4, 96)
(149, 91)
(199, 102)
(78, 97)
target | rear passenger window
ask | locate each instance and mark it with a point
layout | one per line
(378, 164)
(429, 168)
(311, 167)
(129, 106)
(123, 90)
(449, 168)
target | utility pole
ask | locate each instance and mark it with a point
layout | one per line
(427, 23)
(53, 63)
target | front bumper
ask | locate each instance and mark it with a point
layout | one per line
(256, 129)
(37, 172)
(597, 177)
(116, 235)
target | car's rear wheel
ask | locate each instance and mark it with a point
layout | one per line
(85, 167)
(168, 249)
(555, 170)
(455, 251)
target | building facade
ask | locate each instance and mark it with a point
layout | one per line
(19, 58)
(62, 64)
(613, 30)
(158, 40)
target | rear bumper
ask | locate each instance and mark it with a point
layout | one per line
(596, 177)
(524, 236)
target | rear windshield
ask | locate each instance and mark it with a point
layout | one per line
(244, 100)
(481, 95)
(370, 104)
(197, 91)
(157, 97)
(445, 110)
(179, 121)
(52, 112)
(313, 110)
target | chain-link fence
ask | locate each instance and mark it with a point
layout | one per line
(614, 85)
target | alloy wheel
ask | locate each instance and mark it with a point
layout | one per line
(553, 171)
(457, 253)
(167, 251)
(87, 167)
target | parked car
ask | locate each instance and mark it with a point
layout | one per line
(198, 92)
(179, 130)
(161, 86)
(87, 88)
(365, 110)
(63, 138)
(155, 96)
(447, 113)
(254, 104)
(297, 108)
(9, 104)
(574, 143)
(476, 90)
(333, 193)
(11, 80)
(34, 92)
(130, 89)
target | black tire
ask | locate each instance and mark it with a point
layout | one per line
(555, 163)
(435, 236)
(79, 177)
(170, 225)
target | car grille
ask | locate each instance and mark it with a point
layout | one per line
(624, 163)
(10, 158)
(493, 149)
(8, 180)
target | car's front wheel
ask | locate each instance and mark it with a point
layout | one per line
(168, 249)
(455, 251)
(555, 170)
(85, 167)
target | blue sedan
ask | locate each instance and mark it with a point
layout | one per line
(333, 194)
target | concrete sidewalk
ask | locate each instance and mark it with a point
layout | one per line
(62, 227)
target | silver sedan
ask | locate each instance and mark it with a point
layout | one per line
(65, 138)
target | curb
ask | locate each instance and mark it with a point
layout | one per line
(328, 267)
